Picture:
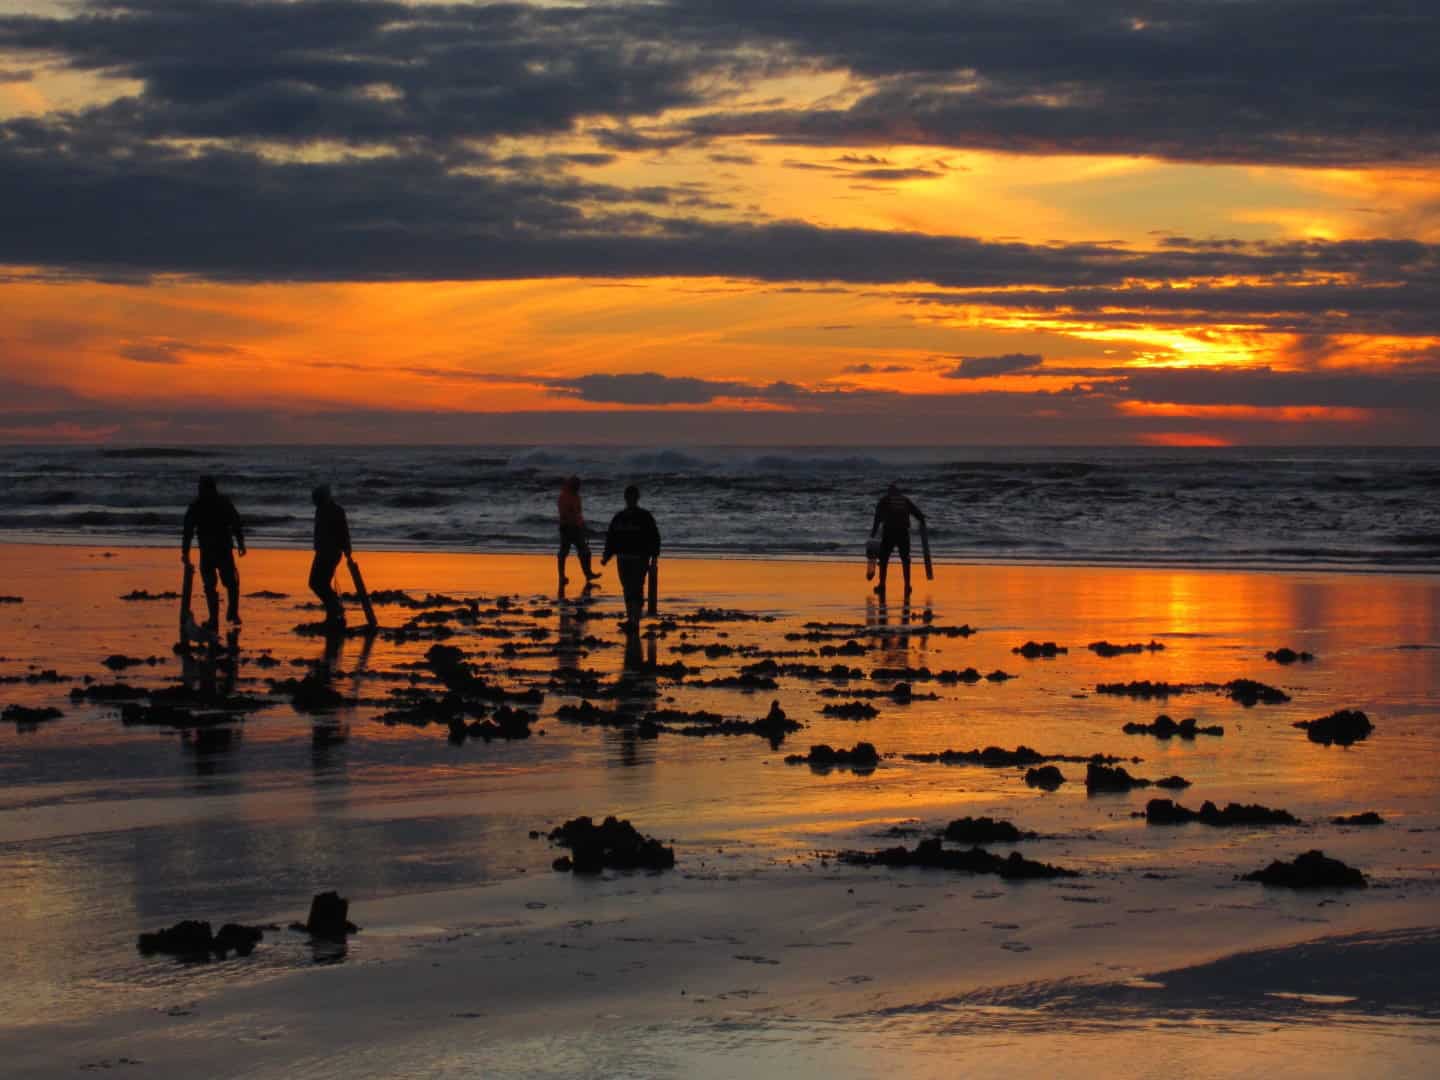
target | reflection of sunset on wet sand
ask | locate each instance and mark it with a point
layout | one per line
(110, 829)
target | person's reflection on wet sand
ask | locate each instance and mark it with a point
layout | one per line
(329, 661)
(209, 672)
(637, 672)
(209, 748)
(638, 691)
(329, 733)
(568, 634)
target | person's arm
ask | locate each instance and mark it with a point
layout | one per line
(238, 527)
(609, 543)
(189, 534)
(875, 525)
(915, 512)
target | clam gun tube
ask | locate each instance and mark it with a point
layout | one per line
(925, 549)
(362, 592)
(187, 594)
(654, 601)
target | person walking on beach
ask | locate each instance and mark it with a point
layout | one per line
(633, 540)
(332, 542)
(892, 521)
(213, 520)
(572, 531)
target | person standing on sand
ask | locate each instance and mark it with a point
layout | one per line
(633, 540)
(213, 520)
(892, 521)
(572, 530)
(332, 542)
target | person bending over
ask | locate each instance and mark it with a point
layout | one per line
(572, 530)
(332, 543)
(633, 540)
(213, 521)
(892, 521)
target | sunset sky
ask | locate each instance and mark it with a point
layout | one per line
(720, 221)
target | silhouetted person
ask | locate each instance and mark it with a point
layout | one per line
(213, 521)
(572, 530)
(892, 521)
(332, 543)
(634, 541)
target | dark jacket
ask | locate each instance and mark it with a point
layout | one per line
(332, 530)
(215, 523)
(893, 514)
(632, 533)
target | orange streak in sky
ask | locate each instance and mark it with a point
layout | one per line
(1183, 438)
(1287, 414)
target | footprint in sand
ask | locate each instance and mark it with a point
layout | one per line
(1014, 946)
(755, 959)
(852, 980)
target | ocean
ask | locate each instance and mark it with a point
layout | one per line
(1243, 507)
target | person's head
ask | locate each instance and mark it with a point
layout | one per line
(893, 489)
(207, 486)
(321, 494)
(572, 483)
(632, 495)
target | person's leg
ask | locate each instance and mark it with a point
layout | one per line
(562, 554)
(208, 573)
(887, 544)
(620, 574)
(322, 573)
(582, 551)
(632, 580)
(904, 548)
(230, 578)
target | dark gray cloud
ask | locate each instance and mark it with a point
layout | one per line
(895, 175)
(80, 198)
(653, 388)
(875, 369)
(649, 388)
(981, 367)
(1345, 82)
(1263, 388)
(1377, 302)
(1342, 82)
(171, 351)
(373, 71)
(153, 353)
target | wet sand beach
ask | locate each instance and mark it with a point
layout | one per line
(762, 951)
